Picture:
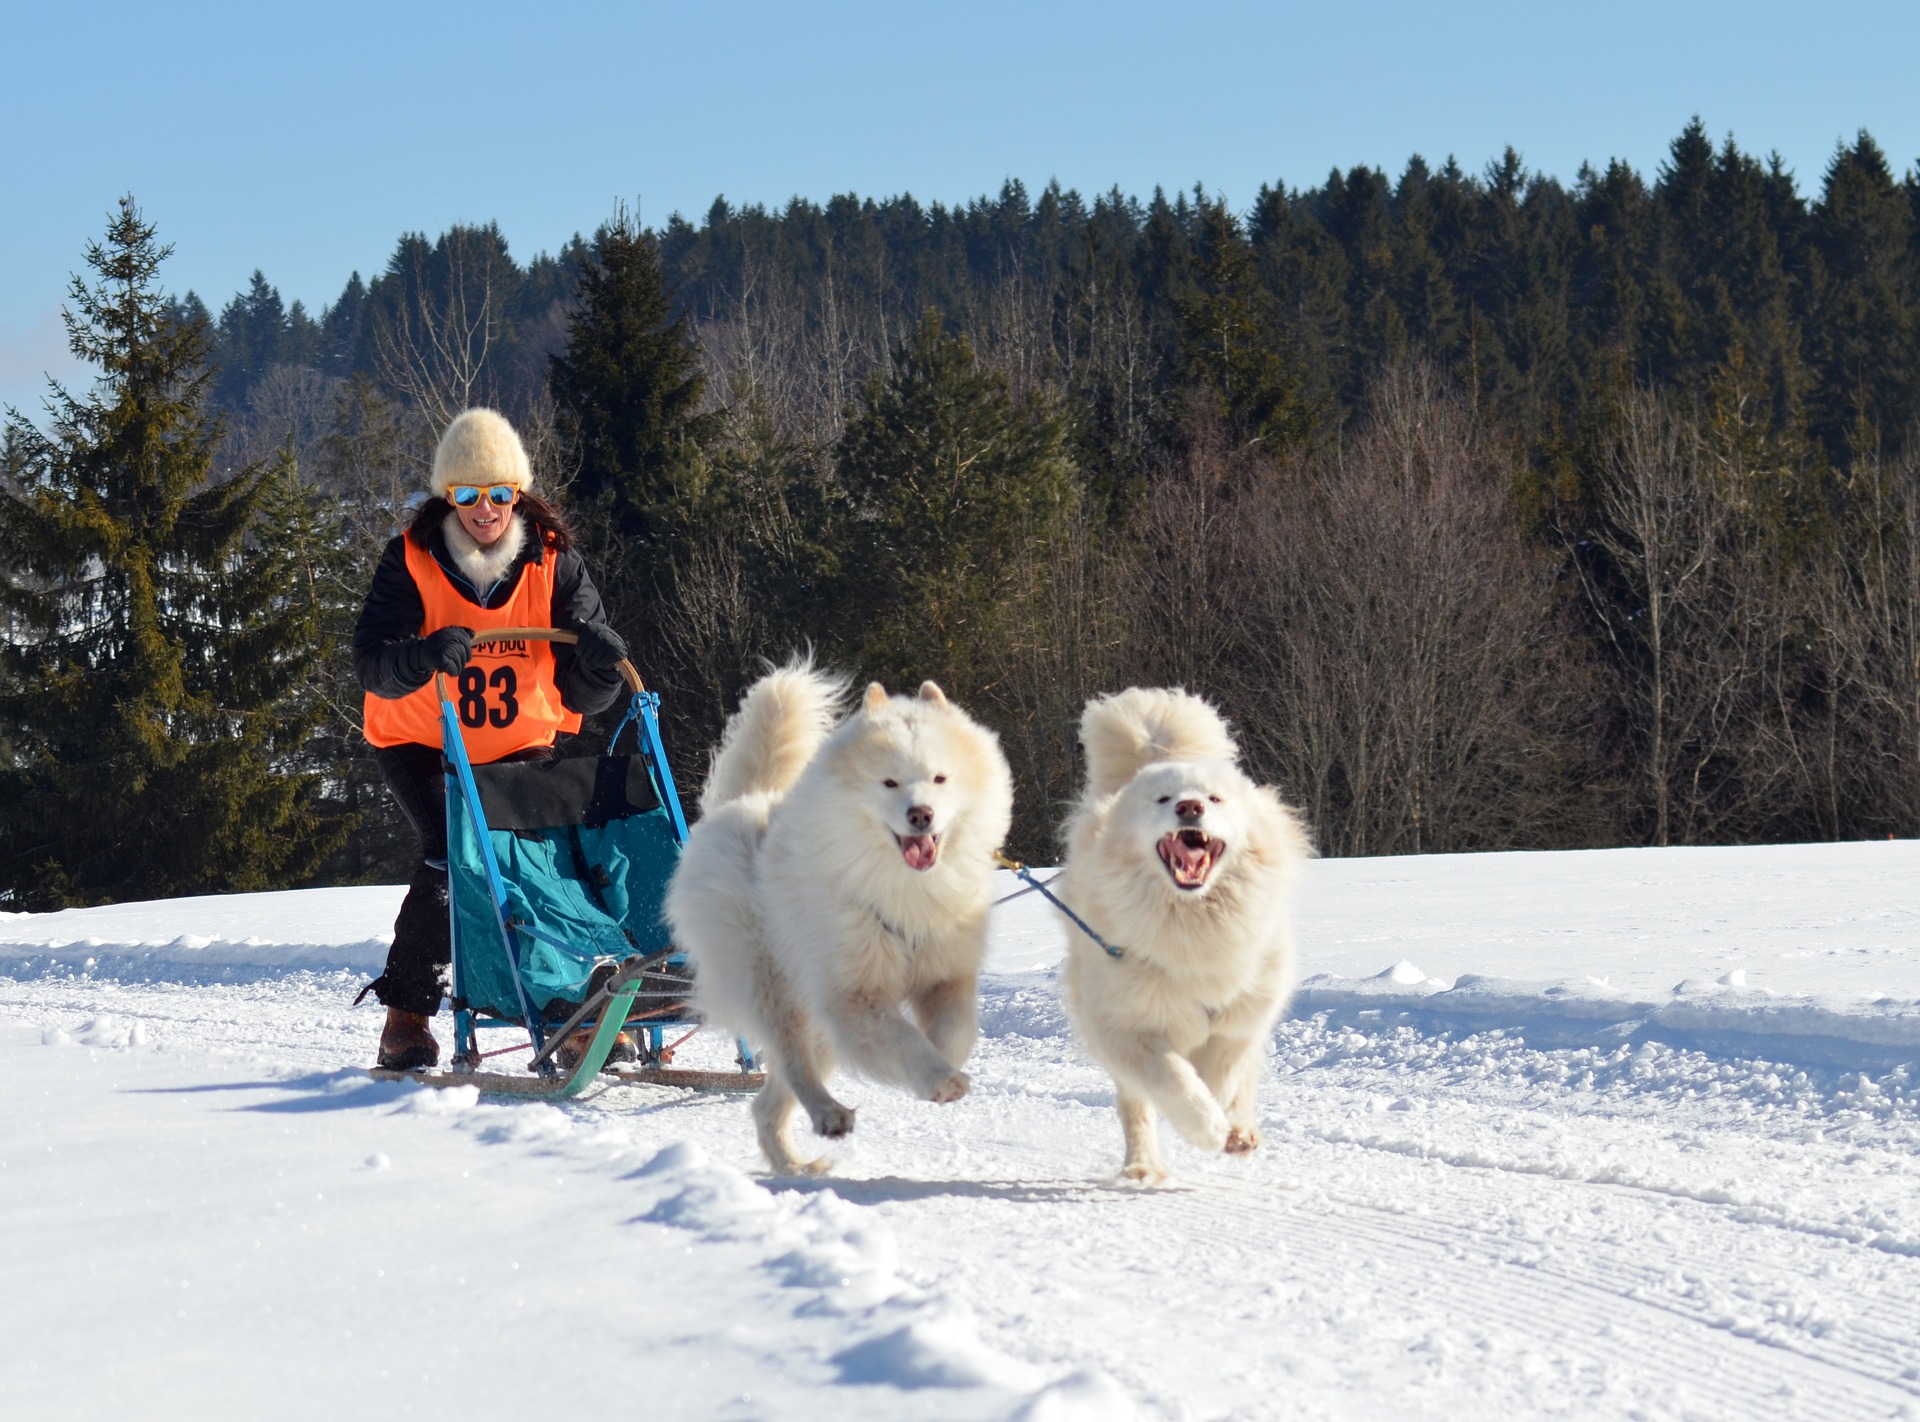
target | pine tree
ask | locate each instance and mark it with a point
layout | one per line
(1864, 282)
(1230, 339)
(953, 483)
(1161, 254)
(1425, 298)
(1617, 293)
(251, 339)
(1303, 265)
(340, 350)
(153, 701)
(627, 394)
(1721, 259)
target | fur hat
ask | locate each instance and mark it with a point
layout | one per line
(480, 447)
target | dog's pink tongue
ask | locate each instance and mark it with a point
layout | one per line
(919, 850)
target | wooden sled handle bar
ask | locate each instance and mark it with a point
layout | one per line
(551, 634)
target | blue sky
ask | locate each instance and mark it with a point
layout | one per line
(304, 140)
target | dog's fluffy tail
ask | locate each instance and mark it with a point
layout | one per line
(781, 722)
(1139, 726)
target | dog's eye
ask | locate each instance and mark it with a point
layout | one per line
(939, 780)
(891, 784)
(1214, 798)
(1163, 799)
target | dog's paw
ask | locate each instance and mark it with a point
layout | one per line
(1204, 1128)
(834, 1122)
(950, 1087)
(792, 1166)
(1142, 1172)
(1242, 1140)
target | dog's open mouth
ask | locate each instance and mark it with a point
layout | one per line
(919, 850)
(1190, 856)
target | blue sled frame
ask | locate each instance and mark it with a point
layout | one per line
(660, 977)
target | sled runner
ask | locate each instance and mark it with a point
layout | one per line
(556, 872)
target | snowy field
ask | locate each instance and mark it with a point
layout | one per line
(1625, 1134)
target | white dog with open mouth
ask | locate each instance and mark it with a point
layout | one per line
(1182, 865)
(839, 871)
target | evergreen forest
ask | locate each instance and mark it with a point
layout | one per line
(1495, 511)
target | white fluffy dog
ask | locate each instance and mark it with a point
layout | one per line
(837, 873)
(1181, 862)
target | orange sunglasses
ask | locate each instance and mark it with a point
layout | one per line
(465, 496)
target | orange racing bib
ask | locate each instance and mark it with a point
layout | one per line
(505, 696)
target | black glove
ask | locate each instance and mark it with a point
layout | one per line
(599, 651)
(444, 651)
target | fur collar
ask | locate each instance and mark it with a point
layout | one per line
(484, 567)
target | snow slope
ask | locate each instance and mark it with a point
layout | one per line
(1635, 1138)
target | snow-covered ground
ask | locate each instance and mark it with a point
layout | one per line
(1601, 1135)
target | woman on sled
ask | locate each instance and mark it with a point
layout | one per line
(483, 552)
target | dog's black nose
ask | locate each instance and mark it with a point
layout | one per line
(920, 818)
(1190, 809)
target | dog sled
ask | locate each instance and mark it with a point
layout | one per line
(556, 875)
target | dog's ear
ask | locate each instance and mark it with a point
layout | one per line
(931, 692)
(876, 699)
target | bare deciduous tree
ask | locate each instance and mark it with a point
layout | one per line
(1379, 630)
(1188, 577)
(433, 343)
(711, 628)
(1062, 639)
(1866, 610)
(1736, 640)
(1416, 643)
(290, 406)
(1668, 599)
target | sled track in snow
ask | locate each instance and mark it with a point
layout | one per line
(1886, 1354)
(1335, 1274)
(1624, 1320)
(1855, 1371)
(1616, 1301)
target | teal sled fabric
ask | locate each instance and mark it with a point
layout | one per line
(577, 895)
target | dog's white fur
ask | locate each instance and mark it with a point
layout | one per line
(1181, 1020)
(797, 900)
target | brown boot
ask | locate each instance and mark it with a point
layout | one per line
(624, 1049)
(406, 1042)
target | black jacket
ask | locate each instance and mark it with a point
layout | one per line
(390, 621)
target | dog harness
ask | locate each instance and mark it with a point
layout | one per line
(1113, 951)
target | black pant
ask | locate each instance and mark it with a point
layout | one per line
(415, 976)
